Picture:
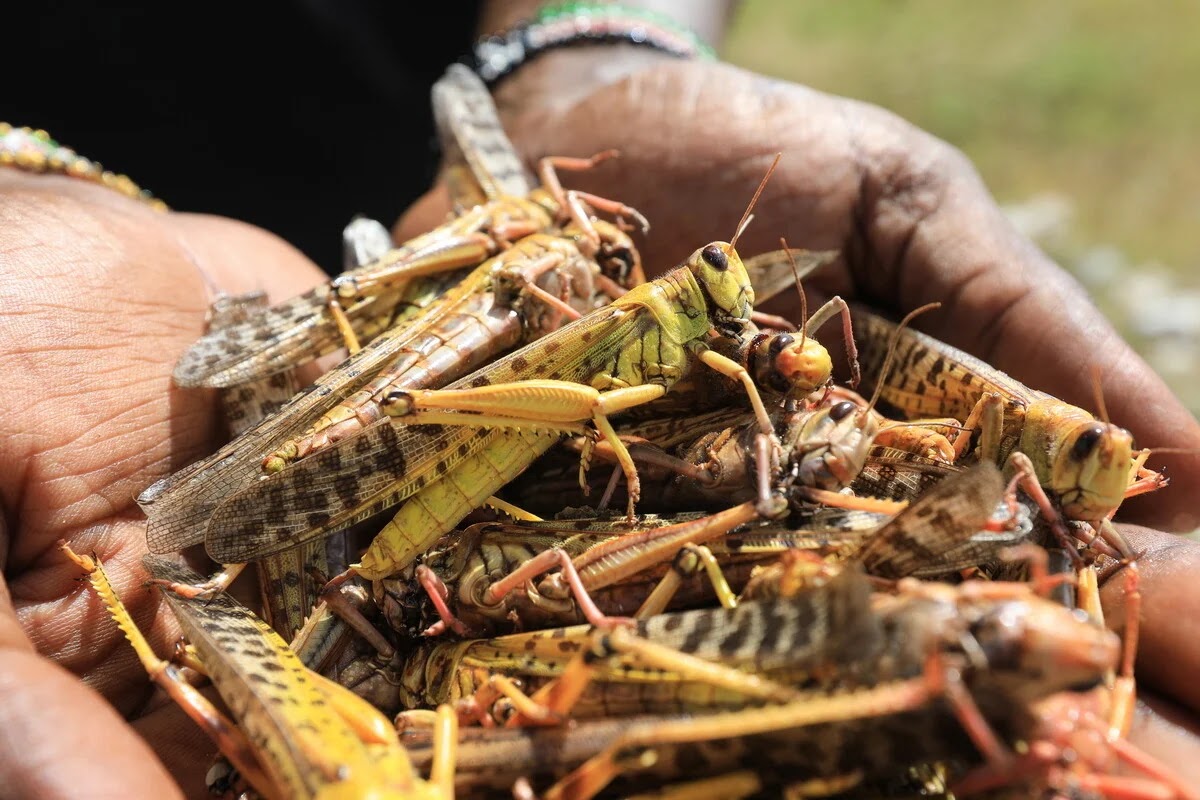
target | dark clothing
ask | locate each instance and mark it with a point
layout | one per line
(293, 116)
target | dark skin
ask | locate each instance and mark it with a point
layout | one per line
(103, 295)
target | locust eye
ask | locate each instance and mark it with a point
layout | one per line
(842, 410)
(1086, 443)
(781, 343)
(715, 257)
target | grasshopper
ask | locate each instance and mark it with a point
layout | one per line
(295, 733)
(1086, 464)
(485, 313)
(288, 592)
(989, 651)
(467, 580)
(315, 322)
(931, 538)
(636, 348)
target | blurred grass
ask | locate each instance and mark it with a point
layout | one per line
(1092, 101)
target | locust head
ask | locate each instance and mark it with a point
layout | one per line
(726, 284)
(830, 445)
(1088, 468)
(618, 258)
(786, 364)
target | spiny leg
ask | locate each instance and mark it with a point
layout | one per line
(223, 731)
(543, 562)
(349, 611)
(687, 562)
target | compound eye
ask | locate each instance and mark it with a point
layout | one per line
(1086, 443)
(780, 343)
(842, 410)
(715, 257)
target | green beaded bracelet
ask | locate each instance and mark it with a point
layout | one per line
(568, 24)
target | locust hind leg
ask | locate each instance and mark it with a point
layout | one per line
(638, 748)
(223, 731)
(534, 404)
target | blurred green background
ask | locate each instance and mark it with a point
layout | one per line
(1081, 115)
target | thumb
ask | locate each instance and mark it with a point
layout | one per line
(429, 211)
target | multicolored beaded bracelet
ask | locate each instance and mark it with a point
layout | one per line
(34, 151)
(567, 24)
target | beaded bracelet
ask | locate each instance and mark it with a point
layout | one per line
(567, 24)
(34, 151)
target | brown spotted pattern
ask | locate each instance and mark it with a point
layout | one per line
(296, 732)
(388, 461)
(942, 529)
(931, 379)
(179, 506)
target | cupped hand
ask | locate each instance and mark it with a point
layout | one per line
(912, 219)
(100, 296)
(914, 224)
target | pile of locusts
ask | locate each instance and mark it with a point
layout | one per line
(638, 542)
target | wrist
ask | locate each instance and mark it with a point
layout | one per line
(517, 35)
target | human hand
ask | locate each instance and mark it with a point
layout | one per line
(101, 295)
(910, 215)
(914, 224)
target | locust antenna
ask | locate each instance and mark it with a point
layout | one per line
(891, 356)
(747, 216)
(1099, 394)
(800, 289)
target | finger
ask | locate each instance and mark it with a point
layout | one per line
(1168, 657)
(237, 258)
(1006, 302)
(1170, 734)
(59, 735)
(425, 214)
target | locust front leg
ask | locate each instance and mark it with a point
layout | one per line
(767, 443)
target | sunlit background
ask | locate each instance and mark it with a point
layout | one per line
(1081, 115)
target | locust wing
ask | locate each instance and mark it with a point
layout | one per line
(479, 162)
(942, 530)
(390, 461)
(772, 273)
(934, 379)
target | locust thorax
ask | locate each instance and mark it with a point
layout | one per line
(722, 276)
(789, 364)
(1084, 461)
(828, 446)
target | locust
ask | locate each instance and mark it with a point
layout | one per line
(490, 577)
(287, 588)
(1087, 465)
(933, 538)
(634, 349)
(988, 651)
(294, 734)
(316, 322)
(467, 321)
